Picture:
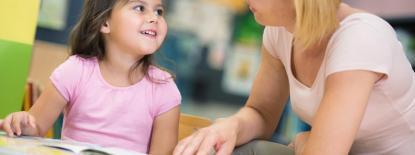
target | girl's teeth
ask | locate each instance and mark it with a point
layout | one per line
(149, 32)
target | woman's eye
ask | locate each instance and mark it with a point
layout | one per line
(159, 12)
(139, 8)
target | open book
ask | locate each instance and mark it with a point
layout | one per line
(35, 145)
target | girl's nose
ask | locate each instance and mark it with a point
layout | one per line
(152, 18)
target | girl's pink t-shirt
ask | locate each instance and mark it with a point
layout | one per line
(111, 116)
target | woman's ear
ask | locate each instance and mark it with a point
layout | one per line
(105, 28)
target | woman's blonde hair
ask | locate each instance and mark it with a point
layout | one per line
(315, 19)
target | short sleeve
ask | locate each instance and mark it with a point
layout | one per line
(269, 39)
(361, 46)
(66, 77)
(167, 94)
(277, 41)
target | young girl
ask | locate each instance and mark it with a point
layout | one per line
(109, 91)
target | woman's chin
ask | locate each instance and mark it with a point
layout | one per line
(259, 21)
(266, 23)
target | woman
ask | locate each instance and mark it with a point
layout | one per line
(347, 77)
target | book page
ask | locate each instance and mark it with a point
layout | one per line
(26, 145)
(29, 145)
(118, 151)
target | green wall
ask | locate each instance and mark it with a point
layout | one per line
(14, 68)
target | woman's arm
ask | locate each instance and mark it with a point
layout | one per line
(257, 119)
(165, 132)
(340, 113)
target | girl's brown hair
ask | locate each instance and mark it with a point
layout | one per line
(86, 39)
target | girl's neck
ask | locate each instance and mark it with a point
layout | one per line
(120, 58)
(116, 67)
(120, 63)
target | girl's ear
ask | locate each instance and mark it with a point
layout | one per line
(105, 28)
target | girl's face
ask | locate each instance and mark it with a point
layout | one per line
(137, 26)
(273, 12)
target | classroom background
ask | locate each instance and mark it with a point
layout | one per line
(212, 46)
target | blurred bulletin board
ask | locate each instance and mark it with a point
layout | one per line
(243, 58)
(390, 9)
(52, 14)
(54, 29)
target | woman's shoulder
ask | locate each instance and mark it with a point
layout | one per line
(364, 22)
(277, 31)
(364, 29)
(277, 40)
(351, 17)
(362, 42)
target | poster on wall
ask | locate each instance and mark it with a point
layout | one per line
(196, 17)
(243, 61)
(240, 69)
(53, 14)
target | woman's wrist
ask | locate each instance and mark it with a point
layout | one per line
(233, 121)
(233, 124)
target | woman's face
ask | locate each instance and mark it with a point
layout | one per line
(273, 12)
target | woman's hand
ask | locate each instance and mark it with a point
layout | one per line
(17, 123)
(298, 142)
(220, 137)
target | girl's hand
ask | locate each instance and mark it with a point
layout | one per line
(17, 122)
(220, 137)
(298, 142)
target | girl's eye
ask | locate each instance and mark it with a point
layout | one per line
(139, 8)
(159, 12)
